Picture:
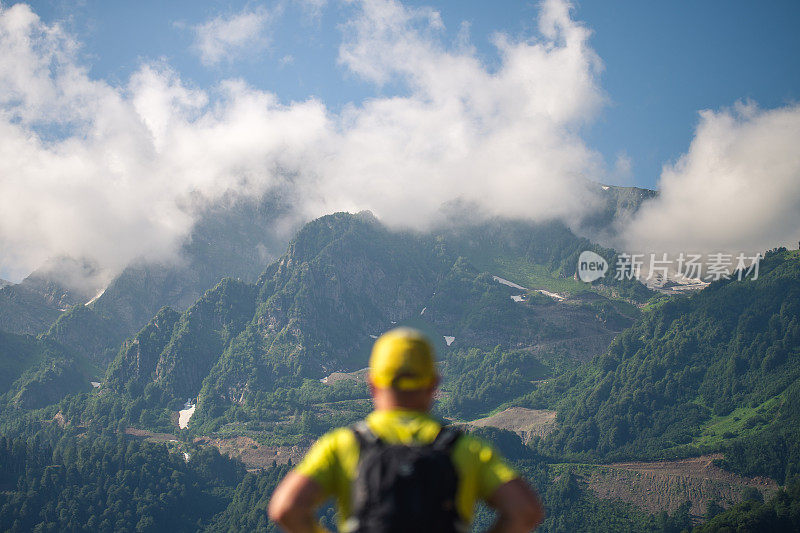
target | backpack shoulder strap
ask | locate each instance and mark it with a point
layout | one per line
(446, 438)
(364, 435)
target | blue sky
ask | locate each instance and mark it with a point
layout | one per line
(663, 61)
(118, 118)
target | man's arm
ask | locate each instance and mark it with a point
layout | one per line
(294, 503)
(518, 508)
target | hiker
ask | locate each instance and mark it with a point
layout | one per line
(399, 470)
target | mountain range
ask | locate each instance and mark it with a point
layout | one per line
(261, 351)
(344, 280)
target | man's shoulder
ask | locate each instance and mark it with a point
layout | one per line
(332, 452)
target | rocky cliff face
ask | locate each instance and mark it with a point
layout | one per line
(344, 278)
(135, 365)
(200, 336)
(175, 352)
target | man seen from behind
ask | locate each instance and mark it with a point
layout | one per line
(400, 470)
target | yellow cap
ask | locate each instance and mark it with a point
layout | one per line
(402, 359)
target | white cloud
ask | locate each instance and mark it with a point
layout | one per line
(116, 181)
(507, 141)
(115, 187)
(737, 189)
(225, 38)
(622, 172)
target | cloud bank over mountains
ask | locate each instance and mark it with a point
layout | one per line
(111, 172)
(736, 189)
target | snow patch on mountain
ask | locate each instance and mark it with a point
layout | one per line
(553, 295)
(96, 296)
(511, 284)
(185, 414)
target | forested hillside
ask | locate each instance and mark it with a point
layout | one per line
(62, 481)
(39, 372)
(718, 370)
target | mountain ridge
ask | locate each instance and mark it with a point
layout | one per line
(344, 279)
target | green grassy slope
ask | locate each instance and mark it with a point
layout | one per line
(694, 373)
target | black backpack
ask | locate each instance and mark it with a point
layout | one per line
(402, 488)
